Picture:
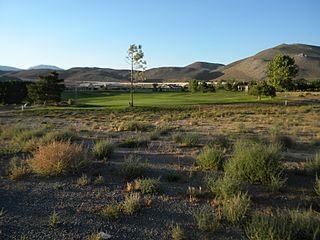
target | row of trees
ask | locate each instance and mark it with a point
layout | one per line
(47, 89)
(200, 86)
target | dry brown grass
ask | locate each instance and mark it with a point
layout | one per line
(59, 158)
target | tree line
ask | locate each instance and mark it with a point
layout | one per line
(47, 89)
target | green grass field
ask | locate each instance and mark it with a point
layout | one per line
(119, 100)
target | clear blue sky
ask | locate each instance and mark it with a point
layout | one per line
(70, 33)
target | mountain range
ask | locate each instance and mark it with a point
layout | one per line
(307, 58)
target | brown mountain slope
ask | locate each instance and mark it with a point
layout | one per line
(307, 57)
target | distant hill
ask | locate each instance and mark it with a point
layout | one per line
(307, 58)
(51, 67)
(8, 69)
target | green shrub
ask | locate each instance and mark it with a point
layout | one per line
(263, 227)
(188, 140)
(313, 165)
(60, 135)
(177, 232)
(84, 180)
(103, 149)
(131, 203)
(220, 141)
(223, 187)
(12, 131)
(134, 142)
(59, 158)
(206, 219)
(135, 126)
(111, 211)
(30, 134)
(211, 158)
(99, 180)
(132, 168)
(17, 168)
(148, 185)
(254, 162)
(54, 219)
(317, 185)
(236, 207)
(292, 224)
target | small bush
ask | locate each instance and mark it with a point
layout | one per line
(103, 149)
(59, 158)
(54, 219)
(148, 185)
(135, 126)
(132, 168)
(210, 158)
(223, 187)
(111, 211)
(206, 219)
(313, 165)
(317, 185)
(220, 141)
(17, 169)
(84, 180)
(99, 180)
(131, 204)
(269, 227)
(61, 135)
(134, 142)
(254, 162)
(236, 207)
(177, 232)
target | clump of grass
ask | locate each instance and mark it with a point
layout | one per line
(254, 162)
(95, 236)
(135, 126)
(275, 227)
(206, 219)
(60, 135)
(225, 187)
(131, 203)
(177, 232)
(242, 128)
(134, 142)
(132, 168)
(57, 186)
(84, 180)
(147, 185)
(12, 131)
(211, 158)
(17, 169)
(30, 134)
(103, 149)
(99, 180)
(313, 165)
(2, 213)
(236, 207)
(59, 158)
(111, 211)
(9, 150)
(54, 219)
(277, 182)
(286, 142)
(220, 141)
(293, 224)
(317, 185)
(188, 140)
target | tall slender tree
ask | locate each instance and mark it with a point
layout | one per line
(135, 56)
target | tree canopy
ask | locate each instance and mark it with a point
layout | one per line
(47, 89)
(280, 72)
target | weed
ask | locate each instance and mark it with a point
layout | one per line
(276, 182)
(103, 149)
(131, 203)
(17, 169)
(84, 180)
(236, 207)
(132, 168)
(223, 187)
(99, 180)
(206, 219)
(54, 219)
(59, 158)
(317, 185)
(210, 158)
(147, 185)
(60, 135)
(177, 232)
(134, 142)
(313, 165)
(57, 186)
(110, 211)
(220, 141)
(135, 126)
(254, 162)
